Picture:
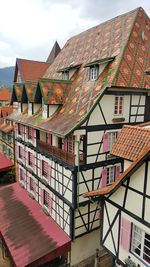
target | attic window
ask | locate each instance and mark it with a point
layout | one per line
(94, 72)
(65, 75)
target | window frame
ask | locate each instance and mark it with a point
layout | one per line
(46, 197)
(94, 72)
(65, 75)
(118, 105)
(112, 136)
(110, 171)
(142, 234)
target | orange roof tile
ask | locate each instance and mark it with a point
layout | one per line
(31, 70)
(5, 94)
(131, 142)
(108, 189)
(5, 111)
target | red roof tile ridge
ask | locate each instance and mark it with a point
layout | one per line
(108, 189)
(31, 60)
(136, 128)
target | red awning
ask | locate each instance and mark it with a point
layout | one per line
(5, 163)
(32, 238)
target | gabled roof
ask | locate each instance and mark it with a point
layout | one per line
(122, 177)
(54, 91)
(54, 53)
(131, 142)
(120, 39)
(5, 94)
(31, 88)
(18, 88)
(30, 70)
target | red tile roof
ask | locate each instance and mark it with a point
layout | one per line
(6, 128)
(5, 94)
(108, 189)
(5, 163)
(31, 237)
(131, 142)
(5, 111)
(31, 70)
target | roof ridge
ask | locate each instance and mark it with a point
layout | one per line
(31, 60)
(109, 20)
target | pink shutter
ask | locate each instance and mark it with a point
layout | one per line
(42, 195)
(50, 203)
(104, 177)
(27, 132)
(27, 157)
(66, 145)
(125, 234)
(117, 171)
(41, 168)
(49, 172)
(34, 185)
(105, 142)
(28, 181)
(32, 134)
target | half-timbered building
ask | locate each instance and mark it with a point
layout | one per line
(67, 122)
(125, 228)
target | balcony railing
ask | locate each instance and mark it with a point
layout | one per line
(57, 152)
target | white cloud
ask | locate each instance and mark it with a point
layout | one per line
(30, 27)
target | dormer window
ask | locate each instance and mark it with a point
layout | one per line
(94, 72)
(65, 75)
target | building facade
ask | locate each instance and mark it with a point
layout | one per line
(67, 122)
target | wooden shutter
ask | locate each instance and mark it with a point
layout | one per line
(17, 151)
(44, 168)
(41, 195)
(105, 142)
(65, 145)
(49, 172)
(117, 171)
(104, 177)
(49, 139)
(125, 234)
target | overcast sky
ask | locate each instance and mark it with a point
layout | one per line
(29, 28)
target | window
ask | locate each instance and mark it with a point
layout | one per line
(10, 153)
(71, 144)
(9, 137)
(30, 159)
(44, 168)
(31, 184)
(110, 175)
(140, 244)
(21, 175)
(3, 136)
(94, 73)
(4, 149)
(118, 105)
(20, 152)
(46, 199)
(30, 133)
(65, 75)
(112, 136)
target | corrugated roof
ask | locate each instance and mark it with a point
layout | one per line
(131, 142)
(31, 70)
(31, 237)
(5, 94)
(111, 188)
(5, 163)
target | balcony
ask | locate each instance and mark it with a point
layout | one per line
(58, 153)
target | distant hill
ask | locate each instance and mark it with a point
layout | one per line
(6, 76)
